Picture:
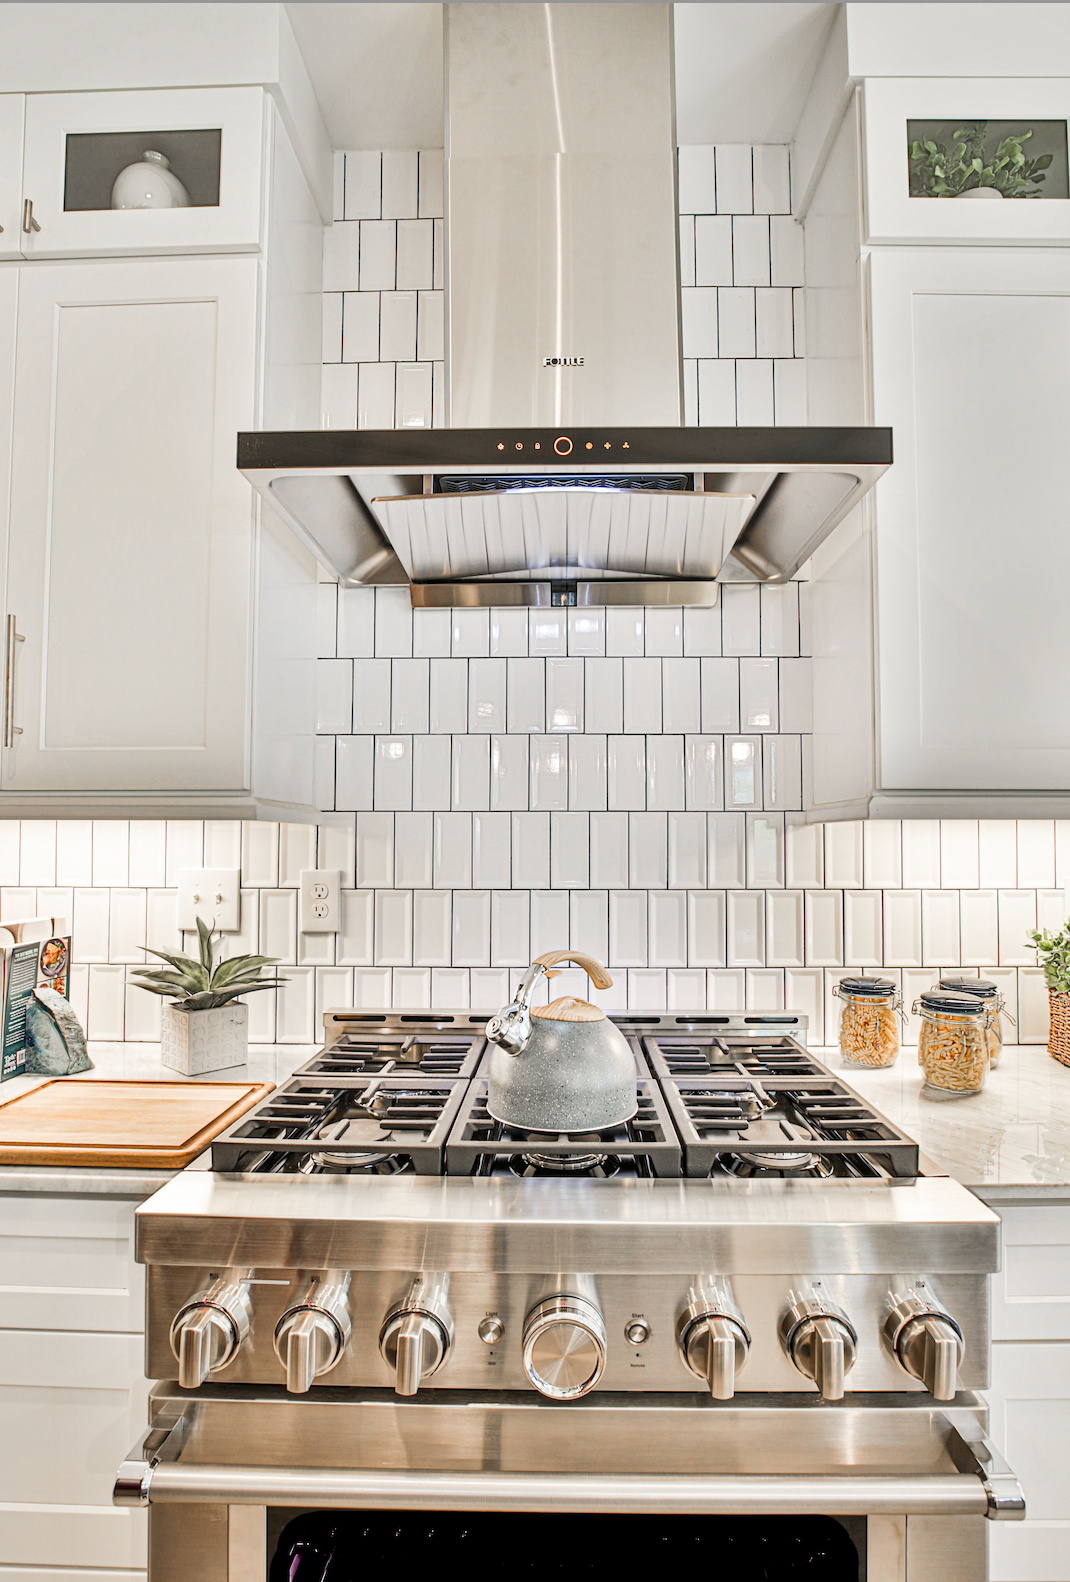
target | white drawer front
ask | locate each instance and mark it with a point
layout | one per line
(1031, 1293)
(1030, 1425)
(68, 1263)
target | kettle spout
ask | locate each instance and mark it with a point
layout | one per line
(510, 1029)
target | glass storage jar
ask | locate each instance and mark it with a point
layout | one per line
(952, 1043)
(995, 1004)
(869, 1035)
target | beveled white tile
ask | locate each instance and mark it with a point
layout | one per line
(717, 394)
(720, 695)
(431, 761)
(667, 928)
(107, 1004)
(79, 993)
(664, 631)
(431, 633)
(357, 329)
(750, 250)
(1017, 915)
(642, 696)
(1051, 909)
(784, 936)
(626, 772)
(587, 632)
(509, 919)
(1006, 981)
(786, 251)
(450, 986)
(902, 928)
(978, 928)
(687, 250)
(1033, 1006)
(410, 697)
(18, 902)
(690, 366)
(706, 922)
(393, 928)
(765, 850)
(222, 843)
(685, 989)
(334, 991)
(453, 851)
(323, 772)
(278, 924)
(824, 928)
(711, 262)
(765, 989)
(998, 865)
(702, 630)
(127, 926)
(646, 989)
(489, 988)
(338, 406)
(758, 694)
(548, 773)
(921, 852)
(726, 991)
(740, 619)
(804, 992)
(363, 185)
(531, 850)
(863, 927)
(627, 928)
(430, 184)
(547, 631)
(470, 633)
(397, 326)
(161, 923)
(432, 923)
(771, 180)
(372, 988)
(393, 773)
(647, 850)
(727, 844)
(509, 632)
(609, 850)
(698, 321)
(940, 928)
(338, 846)
(74, 853)
(804, 854)
(1036, 853)
(416, 262)
(315, 950)
(375, 850)
(843, 854)
(354, 772)
(356, 623)
(430, 329)
(681, 694)
(341, 257)
(703, 773)
(411, 987)
(570, 851)
(586, 772)
(958, 853)
(790, 408)
(334, 695)
(355, 938)
(37, 857)
(185, 849)
(604, 696)
(698, 187)
(735, 325)
(399, 185)
(688, 860)
(393, 622)
(449, 697)
(774, 322)
(471, 773)
(440, 255)
(625, 631)
(743, 772)
(526, 695)
(588, 922)
(746, 928)
(564, 694)
(779, 605)
(491, 850)
(664, 772)
(882, 853)
(414, 845)
(371, 696)
(509, 772)
(549, 921)
(143, 1015)
(111, 851)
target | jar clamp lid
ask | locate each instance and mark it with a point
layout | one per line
(872, 988)
(947, 1004)
(981, 989)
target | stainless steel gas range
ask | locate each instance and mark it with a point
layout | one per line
(754, 1314)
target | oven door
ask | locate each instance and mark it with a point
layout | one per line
(226, 1470)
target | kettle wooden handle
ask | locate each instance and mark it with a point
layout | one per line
(594, 969)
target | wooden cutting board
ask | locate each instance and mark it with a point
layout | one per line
(92, 1121)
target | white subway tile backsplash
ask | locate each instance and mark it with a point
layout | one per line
(750, 251)
(1017, 916)
(754, 393)
(697, 179)
(486, 693)
(609, 850)
(509, 918)
(790, 408)
(430, 183)
(774, 322)
(74, 853)
(863, 928)
(711, 260)
(625, 632)
(698, 319)
(736, 324)
(720, 708)
(804, 855)
(570, 851)
(586, 772)
(664, 772)
(772, 186)
(667, 928)
(727, 843)
(392, 786)
(90, 931)
(363, 185)
(1036, 852)
(547, 631)
(642, 696)
(1051, 909)
(334, 695)
(627, 928)
(526, 694)
(741, 619)
(998, 862)
(586, 632)
(786, 252)
(735, 190)
(399, 184)
(371, 988)
(780, 619)
(843, 854)
(882, 853)
(356, 623)
(687, 249)
(222, 842)
(548, 773)
(509, 770)
(743, 772)
(681, 693)
(785, 938)
(359, 327)
(726, 990)
(1033, 1006)
(765, 989)
(278, 924)
(765, 850)
(549, 922)
(647, 850)
(491, 850)
(664, 630)
(978, 928)
(564, 694)
(453, 850)
(688, 860)
(746, 928)
(413, 850)
(782, 772)
(393, 928)
(531, 850)
(626, 772)
(449, 697)
(758, 703)
(508, 632)
(902, 928)
(690, 367)
(415, 264)
(107, 1003)
(685, 988)
(704, 772)
(354, 772)
(824, 928)
(716, 392)
(471, 928)
(411, 987)
(397, 326)
(706, 924)
(804, 992)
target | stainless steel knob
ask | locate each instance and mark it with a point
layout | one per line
(491, 1330)
(926, 1342)
(416, 1336)
(207, 1332)
(821, 1341)
(311, 1336)
(564, 1347)
(712, 1336)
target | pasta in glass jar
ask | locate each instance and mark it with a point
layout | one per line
(994, 1003)
(952, 1043)
(869, 1033)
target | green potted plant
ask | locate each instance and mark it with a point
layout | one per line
(1053, 954)
(205, 1027)
(965, 170)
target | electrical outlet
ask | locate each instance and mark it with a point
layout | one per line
(212, 894)
(319, 911)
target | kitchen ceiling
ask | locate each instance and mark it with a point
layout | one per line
(742, 70)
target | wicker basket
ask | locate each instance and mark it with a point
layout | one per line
(1059, 1030)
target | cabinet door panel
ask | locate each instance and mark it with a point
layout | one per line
(68, 1264)
(129, 558)
(971, 367)
(1031, 1292)
(1030, 1423)
(12, 117)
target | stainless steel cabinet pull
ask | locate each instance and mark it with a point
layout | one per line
(11, 730)
(29, 224)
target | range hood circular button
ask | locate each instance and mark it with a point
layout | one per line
(563, 445)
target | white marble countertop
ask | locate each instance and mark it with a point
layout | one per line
(1010, 1143)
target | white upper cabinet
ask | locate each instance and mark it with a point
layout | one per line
(130, 539)
(12, 115)
(971, 368)
(76, 144)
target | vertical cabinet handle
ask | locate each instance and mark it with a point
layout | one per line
(29, 224)
(11, 730)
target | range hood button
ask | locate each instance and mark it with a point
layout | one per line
(563, 445)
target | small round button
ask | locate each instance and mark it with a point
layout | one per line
(636, 1333)
(563, 445)
(491, 1331)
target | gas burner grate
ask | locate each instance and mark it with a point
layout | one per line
(357, 1053)
(701, 1057)
(385, 1125)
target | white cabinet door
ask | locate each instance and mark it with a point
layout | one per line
(68, 1264)
(12, 116)
(971, 368)
(1030, 1424)
(77, 143)
(130, 549)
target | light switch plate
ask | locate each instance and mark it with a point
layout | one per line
(213, 894)
(320, 900)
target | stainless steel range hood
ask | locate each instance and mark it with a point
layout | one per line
(567, 477)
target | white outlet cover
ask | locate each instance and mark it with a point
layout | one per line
(318, 912)
(209, 893)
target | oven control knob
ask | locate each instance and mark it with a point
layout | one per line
(564, 1347)
(208, 1331)
(926, 1342)
(416, 1336)
(821, 1341)
(312, 1335)
(715, 1346)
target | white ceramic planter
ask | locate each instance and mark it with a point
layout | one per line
(980, 192)
(198, 1041)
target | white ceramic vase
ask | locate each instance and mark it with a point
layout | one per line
(980, 192)
(149, 184)
(194, 1042)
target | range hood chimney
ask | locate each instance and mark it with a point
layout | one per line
(564, 476)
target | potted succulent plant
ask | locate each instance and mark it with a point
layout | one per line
(205, 1028)
(965, 170)
(1053, 954)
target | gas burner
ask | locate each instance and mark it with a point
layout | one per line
(357, 1165)
(603, 1166)
(789, 1167)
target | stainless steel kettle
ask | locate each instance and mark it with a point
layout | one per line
(562, 1067)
